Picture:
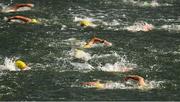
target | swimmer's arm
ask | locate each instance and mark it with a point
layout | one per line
(98, 40)
(22, 5)
(22, 18)
(134, 77)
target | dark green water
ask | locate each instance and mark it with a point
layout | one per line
(46, 48)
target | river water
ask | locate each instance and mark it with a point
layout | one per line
(56, 74)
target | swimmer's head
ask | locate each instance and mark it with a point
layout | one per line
(85, 23)
(99, 85)
(35, 21)
(20, 64)
(87, 46)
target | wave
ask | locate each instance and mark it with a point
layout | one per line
(139, 3)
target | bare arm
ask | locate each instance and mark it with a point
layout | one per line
(137, 78)
(17, 6)
(25, 19)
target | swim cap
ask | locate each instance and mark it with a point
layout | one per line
(99, 85)
(34, 21)
(85, 23)
(87, 46)
(20, 64)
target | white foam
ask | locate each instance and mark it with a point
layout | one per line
(121, 64)
(140, 26)
(172, 27)
(9, 64)
(82, 66)
(116, 67)
(155, 84)
(113, 54)
(75, 43)
(77, 19)
(116, 85)
(80, 54)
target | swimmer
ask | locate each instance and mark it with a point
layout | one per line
(111, 85)
(86, 23)
(95, 84)
(21, 19)
(17, 7)
(140, 26)
(10, 64)
(139, 79)
(96, 40)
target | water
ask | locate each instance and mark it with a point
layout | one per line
(56, 74)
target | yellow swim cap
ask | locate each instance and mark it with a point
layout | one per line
(99, 85)
(34, 21)
(85, 23)
(20, 64)
(87, 46)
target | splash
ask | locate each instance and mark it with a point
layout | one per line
(75, 43)
(121, 63)
(121, 66)
(172, 27)
(9, 64)
(2, 7)
(80, 54)
(155, 84)
(113, 54)
(82, 66)
(140, 26)
(76, 19)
